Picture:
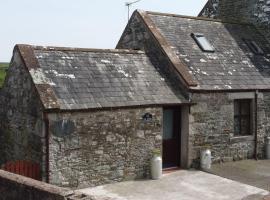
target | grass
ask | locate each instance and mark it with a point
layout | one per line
(3, 67)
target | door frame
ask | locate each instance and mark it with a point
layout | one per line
(185, 159)
(173, 154)
(185, 148)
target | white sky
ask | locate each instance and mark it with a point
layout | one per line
(77, 23)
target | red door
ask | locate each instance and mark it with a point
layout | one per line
(171, 137)
(24, 168)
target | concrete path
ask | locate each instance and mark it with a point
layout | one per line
(180, 185)
(251, 172)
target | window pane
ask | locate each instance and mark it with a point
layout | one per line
(245, 107)
(245, 126)
(242, 120)
(236, 108)
(203, 43)
(254, 47)
(168, 124)
(236, 126)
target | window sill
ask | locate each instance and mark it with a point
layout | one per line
(247, 138)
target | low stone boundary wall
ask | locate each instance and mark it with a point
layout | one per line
(14, 187)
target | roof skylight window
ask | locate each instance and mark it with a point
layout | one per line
(202, 42)
(254, 47)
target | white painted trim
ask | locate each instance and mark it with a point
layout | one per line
(242, 95)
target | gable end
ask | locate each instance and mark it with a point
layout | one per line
(180, 68)
(46, 93)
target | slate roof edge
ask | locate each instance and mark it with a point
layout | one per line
(229, 90)
(54, 110)
(180, 67)
(45, 91)
(75, 49)
(198, 18)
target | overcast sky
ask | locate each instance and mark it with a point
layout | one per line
(77, 23)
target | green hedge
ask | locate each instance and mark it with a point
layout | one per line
(3, 68)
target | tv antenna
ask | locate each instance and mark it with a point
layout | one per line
(128, 4)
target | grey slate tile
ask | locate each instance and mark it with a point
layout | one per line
(92, 79)
(232, 56)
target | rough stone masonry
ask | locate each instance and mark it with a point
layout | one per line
(101, 147)
(21, 117)
(212, 125)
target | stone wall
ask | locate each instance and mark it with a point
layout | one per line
(212, 124)
(247, 11)
(211, 9)
(13, 187)
(103, 146)
(263, 121)
(21, 124)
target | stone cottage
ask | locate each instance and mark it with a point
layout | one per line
(86, 116)
(174, 83)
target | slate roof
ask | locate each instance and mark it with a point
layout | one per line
(231, 67)
(69, 78)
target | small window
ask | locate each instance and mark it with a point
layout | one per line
(242, 117)
(254, 47)
(168, 124)
(202, 42)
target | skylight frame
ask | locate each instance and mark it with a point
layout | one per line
(203, 42)
(253, 46)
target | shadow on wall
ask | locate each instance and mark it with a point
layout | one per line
(255, 49)
(255, 55)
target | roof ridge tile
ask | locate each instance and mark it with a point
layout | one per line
(195, 18)
(56, 48)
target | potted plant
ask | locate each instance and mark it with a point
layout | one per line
(156, 164)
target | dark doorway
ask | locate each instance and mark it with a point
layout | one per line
(171, 149)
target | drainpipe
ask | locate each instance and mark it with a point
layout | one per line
(256, 125)
(46, 120)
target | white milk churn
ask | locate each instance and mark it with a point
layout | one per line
(156, 167)
(206, 159)
(267, 148)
